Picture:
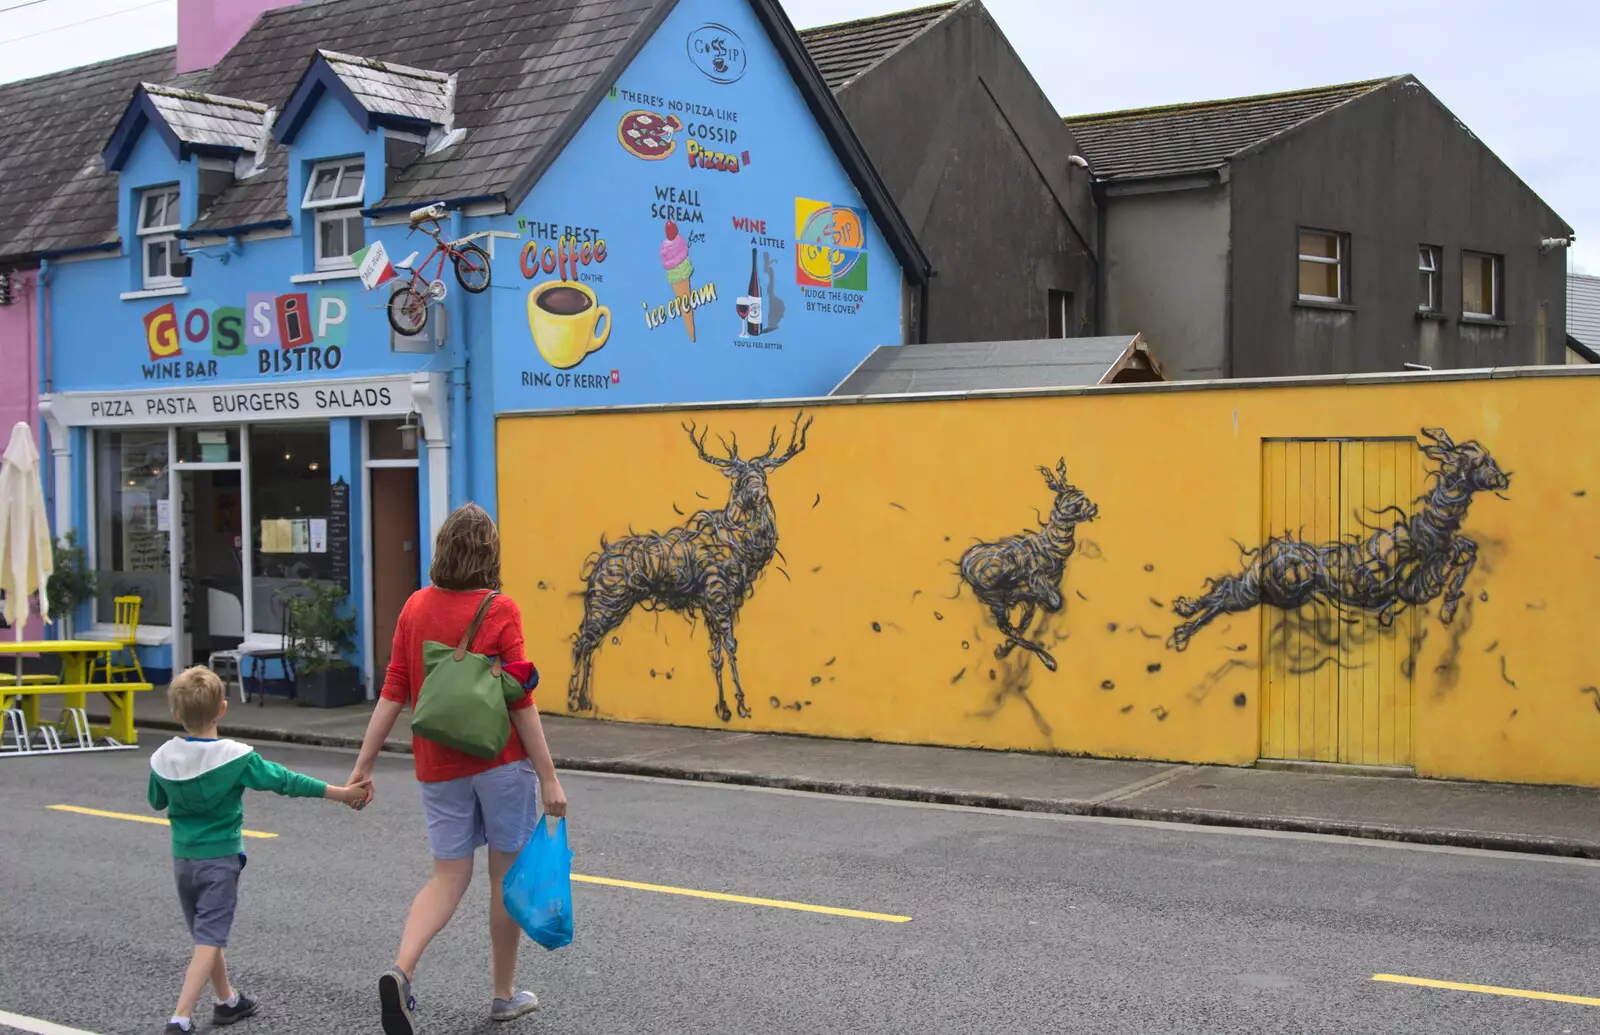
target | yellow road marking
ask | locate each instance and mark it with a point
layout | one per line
(774, 903)
(80, 810)
(1519, 993)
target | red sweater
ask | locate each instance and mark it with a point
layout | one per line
(442, 616)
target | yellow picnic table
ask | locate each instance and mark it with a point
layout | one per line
(74, 686)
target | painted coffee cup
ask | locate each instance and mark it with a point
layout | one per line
(568, 322)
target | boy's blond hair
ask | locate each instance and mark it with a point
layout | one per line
(195, 697)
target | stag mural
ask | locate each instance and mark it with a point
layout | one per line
(1025, 570)
(709, 565)
(1411, 562)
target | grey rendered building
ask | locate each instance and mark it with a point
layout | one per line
(979, 163)
(1342, 229)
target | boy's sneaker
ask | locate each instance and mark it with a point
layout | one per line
(174, 1028)
(519, 1005)
(224, 1014)
(399, 1005)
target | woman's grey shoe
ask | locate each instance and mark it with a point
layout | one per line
(399, 1005)
(519, 1005)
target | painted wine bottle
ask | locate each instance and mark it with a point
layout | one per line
(752, 318)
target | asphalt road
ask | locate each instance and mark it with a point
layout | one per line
(1020, 923)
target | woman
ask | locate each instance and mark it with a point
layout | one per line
(467, 801)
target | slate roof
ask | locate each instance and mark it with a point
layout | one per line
(54, 191)
(391, 89)
(1181, 139)
(1583, 309)
(200, 118)
(521, 68)
(999, 366)
(846, 50)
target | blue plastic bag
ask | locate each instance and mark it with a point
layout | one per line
(538, 889)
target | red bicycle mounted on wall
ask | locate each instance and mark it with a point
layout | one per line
(408, 303)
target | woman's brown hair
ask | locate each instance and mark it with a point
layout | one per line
(466, 553)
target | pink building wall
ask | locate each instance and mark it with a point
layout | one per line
(19, 371)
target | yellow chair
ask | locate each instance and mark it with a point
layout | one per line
(126, 625)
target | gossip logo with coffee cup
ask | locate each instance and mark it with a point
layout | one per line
(568, 322)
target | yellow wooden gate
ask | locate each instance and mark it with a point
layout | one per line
(1335, 682)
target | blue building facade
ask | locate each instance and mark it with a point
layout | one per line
(230, 406)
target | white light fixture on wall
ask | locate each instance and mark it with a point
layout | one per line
(408, 433)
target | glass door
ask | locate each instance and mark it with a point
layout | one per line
(211, 573)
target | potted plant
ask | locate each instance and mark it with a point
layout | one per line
(319, 637)
(71, 583)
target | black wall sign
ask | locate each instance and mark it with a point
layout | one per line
(339, 532)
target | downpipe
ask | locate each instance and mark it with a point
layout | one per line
(457, 331)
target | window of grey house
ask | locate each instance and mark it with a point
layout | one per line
(1059, 318)
(1482, 294)
(159, 220)
(1323, 260)
(1427, 279)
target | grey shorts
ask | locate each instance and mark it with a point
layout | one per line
(497, 808)
(208, 890)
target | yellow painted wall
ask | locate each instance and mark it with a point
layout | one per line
(853, 631)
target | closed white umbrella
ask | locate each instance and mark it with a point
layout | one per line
(26, 560)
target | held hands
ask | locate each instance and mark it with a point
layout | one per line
(356, 794)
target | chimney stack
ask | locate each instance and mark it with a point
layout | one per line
(208, 29)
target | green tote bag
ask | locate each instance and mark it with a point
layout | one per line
(462, 703)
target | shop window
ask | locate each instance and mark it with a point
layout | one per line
(133, 520)
(1323, 257)
(334, 195)
(290, 503)
(1481, 293)
(208, 445)
(159, 220)
(1427, 279)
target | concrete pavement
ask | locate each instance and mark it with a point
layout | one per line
(1030, 923)
(1507, 817)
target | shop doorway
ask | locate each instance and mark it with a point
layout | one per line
(212, 566)
(395, 530)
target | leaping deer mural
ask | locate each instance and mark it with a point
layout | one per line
(708, 565)
(1025, 570)
(1412, 562)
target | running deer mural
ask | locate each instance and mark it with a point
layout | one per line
(709, 565)
(1412, 562)
(1025, 570)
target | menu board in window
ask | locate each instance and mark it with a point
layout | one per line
(146, 545)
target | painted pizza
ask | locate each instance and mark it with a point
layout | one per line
(648, 134)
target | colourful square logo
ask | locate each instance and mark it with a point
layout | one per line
(830, 245)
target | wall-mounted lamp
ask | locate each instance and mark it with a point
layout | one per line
(408, 433)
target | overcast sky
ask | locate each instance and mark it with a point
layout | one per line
(1525, 76)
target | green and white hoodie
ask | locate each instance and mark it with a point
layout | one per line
(201, 783)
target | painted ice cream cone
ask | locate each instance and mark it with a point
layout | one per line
(675, 260)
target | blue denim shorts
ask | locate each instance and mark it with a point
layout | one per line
(208, 891)
(498, 808)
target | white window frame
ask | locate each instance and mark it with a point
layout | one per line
(1428, 263)
(1496, 278)
(1337, 261)
(163, 233)
(339, 206)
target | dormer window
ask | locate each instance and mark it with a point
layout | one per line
(334, 195)
(159, 221)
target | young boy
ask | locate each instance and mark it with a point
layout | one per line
(200, 780)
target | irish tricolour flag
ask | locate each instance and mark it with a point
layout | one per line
(372, 262)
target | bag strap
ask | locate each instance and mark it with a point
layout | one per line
(477, 623)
